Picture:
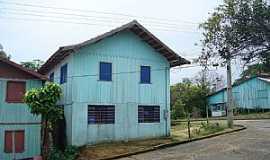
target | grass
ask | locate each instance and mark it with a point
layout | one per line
(179, 133)
(198, 129)
(250, 116)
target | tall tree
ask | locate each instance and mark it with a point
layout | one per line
(238, 28)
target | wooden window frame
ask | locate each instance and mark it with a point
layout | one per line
(141, 80)
(14, 142)
(153, 117)
(8, 100)
(51, 77)
(100, 74)
(64, 75)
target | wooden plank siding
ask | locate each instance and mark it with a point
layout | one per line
(252, 94)
(16, 116)
(127, 52)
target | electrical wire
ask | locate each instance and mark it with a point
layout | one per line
(93, 11)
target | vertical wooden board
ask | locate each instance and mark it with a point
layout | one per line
(32, 141)
(16, 112)
(8, 141)
(19, 141)
(127, 53)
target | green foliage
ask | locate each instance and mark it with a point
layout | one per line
(187, 97)
(239, 28)
(206, 129)
(33, 65)
(42, 101)
(70, 153)
(253, 70)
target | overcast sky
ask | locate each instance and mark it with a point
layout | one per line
(29, 28)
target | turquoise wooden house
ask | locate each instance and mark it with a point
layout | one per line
(19, 129)
(251, 94)
(116, 86)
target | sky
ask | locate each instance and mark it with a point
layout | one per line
(31, 29)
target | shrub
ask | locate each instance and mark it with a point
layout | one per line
(70, 153)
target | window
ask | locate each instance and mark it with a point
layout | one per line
(262, 94)
(148, 114)
(145, 74)
(15, 138)
(218, 107)
(15, 92)
(105, 71)
(51, 78)
(63, 74)
(101, 114)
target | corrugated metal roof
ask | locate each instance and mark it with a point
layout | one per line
(265, 79)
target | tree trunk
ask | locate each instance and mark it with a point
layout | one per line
(229, 95)
(45, 144)
(189, 135)
(207, 115)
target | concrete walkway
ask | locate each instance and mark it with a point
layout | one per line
(250, 144)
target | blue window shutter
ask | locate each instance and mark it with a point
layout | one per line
(145, 74)
(105, 71)
(63, 74)
(51, 78)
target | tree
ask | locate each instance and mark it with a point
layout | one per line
(187, 97)
(42, 101)
(33, 65)
(3, 54)
(253, 70)
(238, 28)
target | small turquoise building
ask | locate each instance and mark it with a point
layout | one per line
(19, 129)
(251, 94)
(116, 86)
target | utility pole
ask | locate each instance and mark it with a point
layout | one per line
(229, 94)
(204, 88)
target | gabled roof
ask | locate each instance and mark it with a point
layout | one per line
(263, 77)
(173, 58)
(21, 68)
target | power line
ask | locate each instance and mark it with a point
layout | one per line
(97, 12)
(100, 18)
(84, 23)
(64, 18)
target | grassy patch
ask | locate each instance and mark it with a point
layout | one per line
(241, 116)
(198, 129)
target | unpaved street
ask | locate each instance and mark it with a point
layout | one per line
(250, 144)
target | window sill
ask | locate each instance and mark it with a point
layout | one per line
(14, 102)
(148, 122)
(104, 80)
(145, 83)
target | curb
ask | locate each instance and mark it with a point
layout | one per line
(162, 146)
(199, 120)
